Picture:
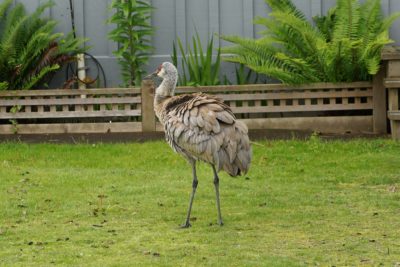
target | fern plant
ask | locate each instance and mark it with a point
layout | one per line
(344, 46)
(30, 51)
(198, 68)
(132, 33)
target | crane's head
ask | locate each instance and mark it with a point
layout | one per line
(168, 72)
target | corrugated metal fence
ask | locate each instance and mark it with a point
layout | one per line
(174, 18)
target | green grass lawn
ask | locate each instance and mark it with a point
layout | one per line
(302, 203)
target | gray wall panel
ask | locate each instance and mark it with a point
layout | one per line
(197, 19)
(165, 24)
(260, 9)
(95, 28)
(394, 6)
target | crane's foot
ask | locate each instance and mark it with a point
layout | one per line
(221, 223)
(186, 225)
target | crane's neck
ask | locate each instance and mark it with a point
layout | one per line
(165, 90)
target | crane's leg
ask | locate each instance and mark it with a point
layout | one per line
(216, 185)
(194, 186)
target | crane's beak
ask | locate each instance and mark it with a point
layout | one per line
(151, 76)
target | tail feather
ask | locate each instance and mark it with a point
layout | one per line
(235, 156)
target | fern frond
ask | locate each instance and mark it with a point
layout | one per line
(286, 6)
(35, 79)
(347, 20)
(4, 7)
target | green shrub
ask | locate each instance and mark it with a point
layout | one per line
(197, 68)
(344, 46)
(30, 51)
(132, 33)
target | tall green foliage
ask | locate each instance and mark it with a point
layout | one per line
(344, 46)
(132, 33)
(198, 68)
(30, 51)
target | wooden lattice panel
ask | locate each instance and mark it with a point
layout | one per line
(283, 99)
(328, 107)
(71, 111)
(39, 104)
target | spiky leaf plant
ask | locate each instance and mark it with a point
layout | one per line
(30, 51)
(198, 68)
(344, 46)
(132, 33)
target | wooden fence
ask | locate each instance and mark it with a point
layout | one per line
(70, 111)
(325, 107)
(307, 107)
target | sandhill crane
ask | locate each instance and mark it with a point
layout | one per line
(201, 127)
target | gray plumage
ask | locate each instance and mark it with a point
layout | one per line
(201, 127)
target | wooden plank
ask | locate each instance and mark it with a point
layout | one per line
(148, 115)
(294, 95)
(71, 114)
(390, 53)
(52, 107)
(379, 101)
(27, 106)
(71, 92)
(159, 127)
(394, 115)
(59, 128)
(394, 99)
(271, 87)
(393, 70)
(396, 130)
(65, 108)
(272, 109)
(338, 124)
(221, 88)
(393, 105)
(70, 101)
(392, 82)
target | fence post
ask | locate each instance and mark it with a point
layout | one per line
(148, 115)
(393, 75)
(379, 101)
